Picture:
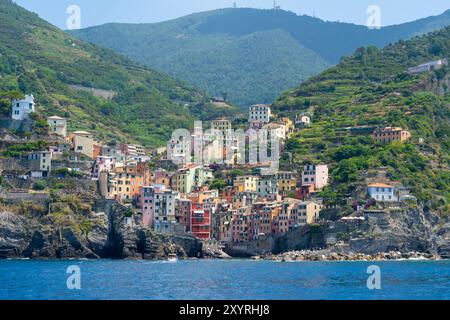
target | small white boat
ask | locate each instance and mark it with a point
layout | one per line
(172, 258)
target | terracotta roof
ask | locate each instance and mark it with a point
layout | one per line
(380, 185)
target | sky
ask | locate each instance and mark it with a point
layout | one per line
(97, 12)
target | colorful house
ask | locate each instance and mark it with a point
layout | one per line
(200, 221)
(287, 182)
(316, 177)
(391, 134)
(130, 178)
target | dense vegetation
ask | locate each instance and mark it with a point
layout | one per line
(372, 87)
(252, 55)
(38, 58)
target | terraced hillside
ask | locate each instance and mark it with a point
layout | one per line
(372, 88)
(96, 89)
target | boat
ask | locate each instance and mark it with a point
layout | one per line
(172, 258)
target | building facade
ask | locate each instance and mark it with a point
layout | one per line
(315, 176)
(21, 109)
(260, 113)
(102, 164)
(381, 192)
(83, 142)
(391, 134)
(58, 125)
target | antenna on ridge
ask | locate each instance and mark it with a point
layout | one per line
(234, 5)
(275, 7)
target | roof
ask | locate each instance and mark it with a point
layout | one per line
(81, 133)
(379, 185)
(56, 118)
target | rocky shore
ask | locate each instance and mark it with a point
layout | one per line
(27, 236)
(327, 255)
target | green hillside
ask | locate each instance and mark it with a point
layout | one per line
(38, 58)
(252, 55)
(372, 87)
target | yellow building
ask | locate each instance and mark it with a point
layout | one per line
(289, 124)
(83, 142)
(246, 184)
(287, 181)
(308, 212)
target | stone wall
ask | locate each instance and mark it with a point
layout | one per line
(19, 197)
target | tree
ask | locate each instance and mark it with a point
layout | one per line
(218, 184)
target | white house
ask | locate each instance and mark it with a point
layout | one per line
(58, 125)
(381, 192)
(302, 121)
(428, 66)
(260, 113)
(21, 109)
(102, 164)
(277, 130)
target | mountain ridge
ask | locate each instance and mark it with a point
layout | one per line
(188, 47)
(37, 57)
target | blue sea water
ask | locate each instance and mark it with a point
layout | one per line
(217, 279)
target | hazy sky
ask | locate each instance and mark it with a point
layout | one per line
(95, 12)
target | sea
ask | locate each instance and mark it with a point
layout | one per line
(223, 280)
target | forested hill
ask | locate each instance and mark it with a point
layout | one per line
(98, 90)
(251, 55)
(373, 88)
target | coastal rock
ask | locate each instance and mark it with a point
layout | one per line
(57, 244)
(96, 239)
(328, 255)
(39, 238)
(395, 233)
(14, 235)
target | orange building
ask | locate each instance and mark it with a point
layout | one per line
(391, 134)
(227, 194)
(161, 177)
(130, 178)
(97, 150)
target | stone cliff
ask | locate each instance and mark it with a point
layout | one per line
(28, 236)
(412, 230)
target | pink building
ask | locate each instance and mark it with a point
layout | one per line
(315, 176)
(158, 206)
